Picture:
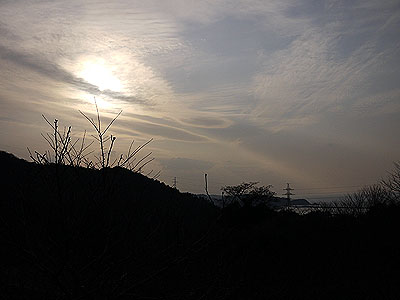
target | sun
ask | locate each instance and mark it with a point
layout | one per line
(100, 75)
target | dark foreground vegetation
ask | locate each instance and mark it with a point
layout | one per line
(78, 233)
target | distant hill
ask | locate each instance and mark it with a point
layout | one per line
(276, 202)
(281, 201)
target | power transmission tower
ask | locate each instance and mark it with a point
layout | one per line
(174, 183)
(288, 193)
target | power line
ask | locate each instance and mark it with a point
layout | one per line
(326, 197)
(332, 187)
(196, 181)
(327, 193)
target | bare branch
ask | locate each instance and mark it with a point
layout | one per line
(143, 165)
(48, 122)
(109, 125)
(89, 119)
(146, 156)
(113, 138)
(98, 114)
(156, 175)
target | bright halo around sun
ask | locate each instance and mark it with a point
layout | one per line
(100, 75)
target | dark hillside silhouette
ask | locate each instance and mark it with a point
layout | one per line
(77, 233)
(63, 225)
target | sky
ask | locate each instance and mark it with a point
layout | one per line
(303, 91)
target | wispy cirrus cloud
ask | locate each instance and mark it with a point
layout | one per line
(325, 69)
(270, 89)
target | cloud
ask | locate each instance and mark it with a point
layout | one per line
(179, 164)
(311, 78)
(54, 72)
(207, 122)
(159, 131)
(70, 33)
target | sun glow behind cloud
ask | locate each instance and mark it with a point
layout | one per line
(99, 74)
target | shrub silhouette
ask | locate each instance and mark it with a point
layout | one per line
(392, 182)
(385, 194)
(65, 151)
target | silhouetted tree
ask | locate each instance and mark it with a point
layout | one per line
(248, 193)
(363, 200)
(392, 182)
(383, 194)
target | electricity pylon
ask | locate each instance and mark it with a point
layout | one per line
(288, 193)
(174, 183)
